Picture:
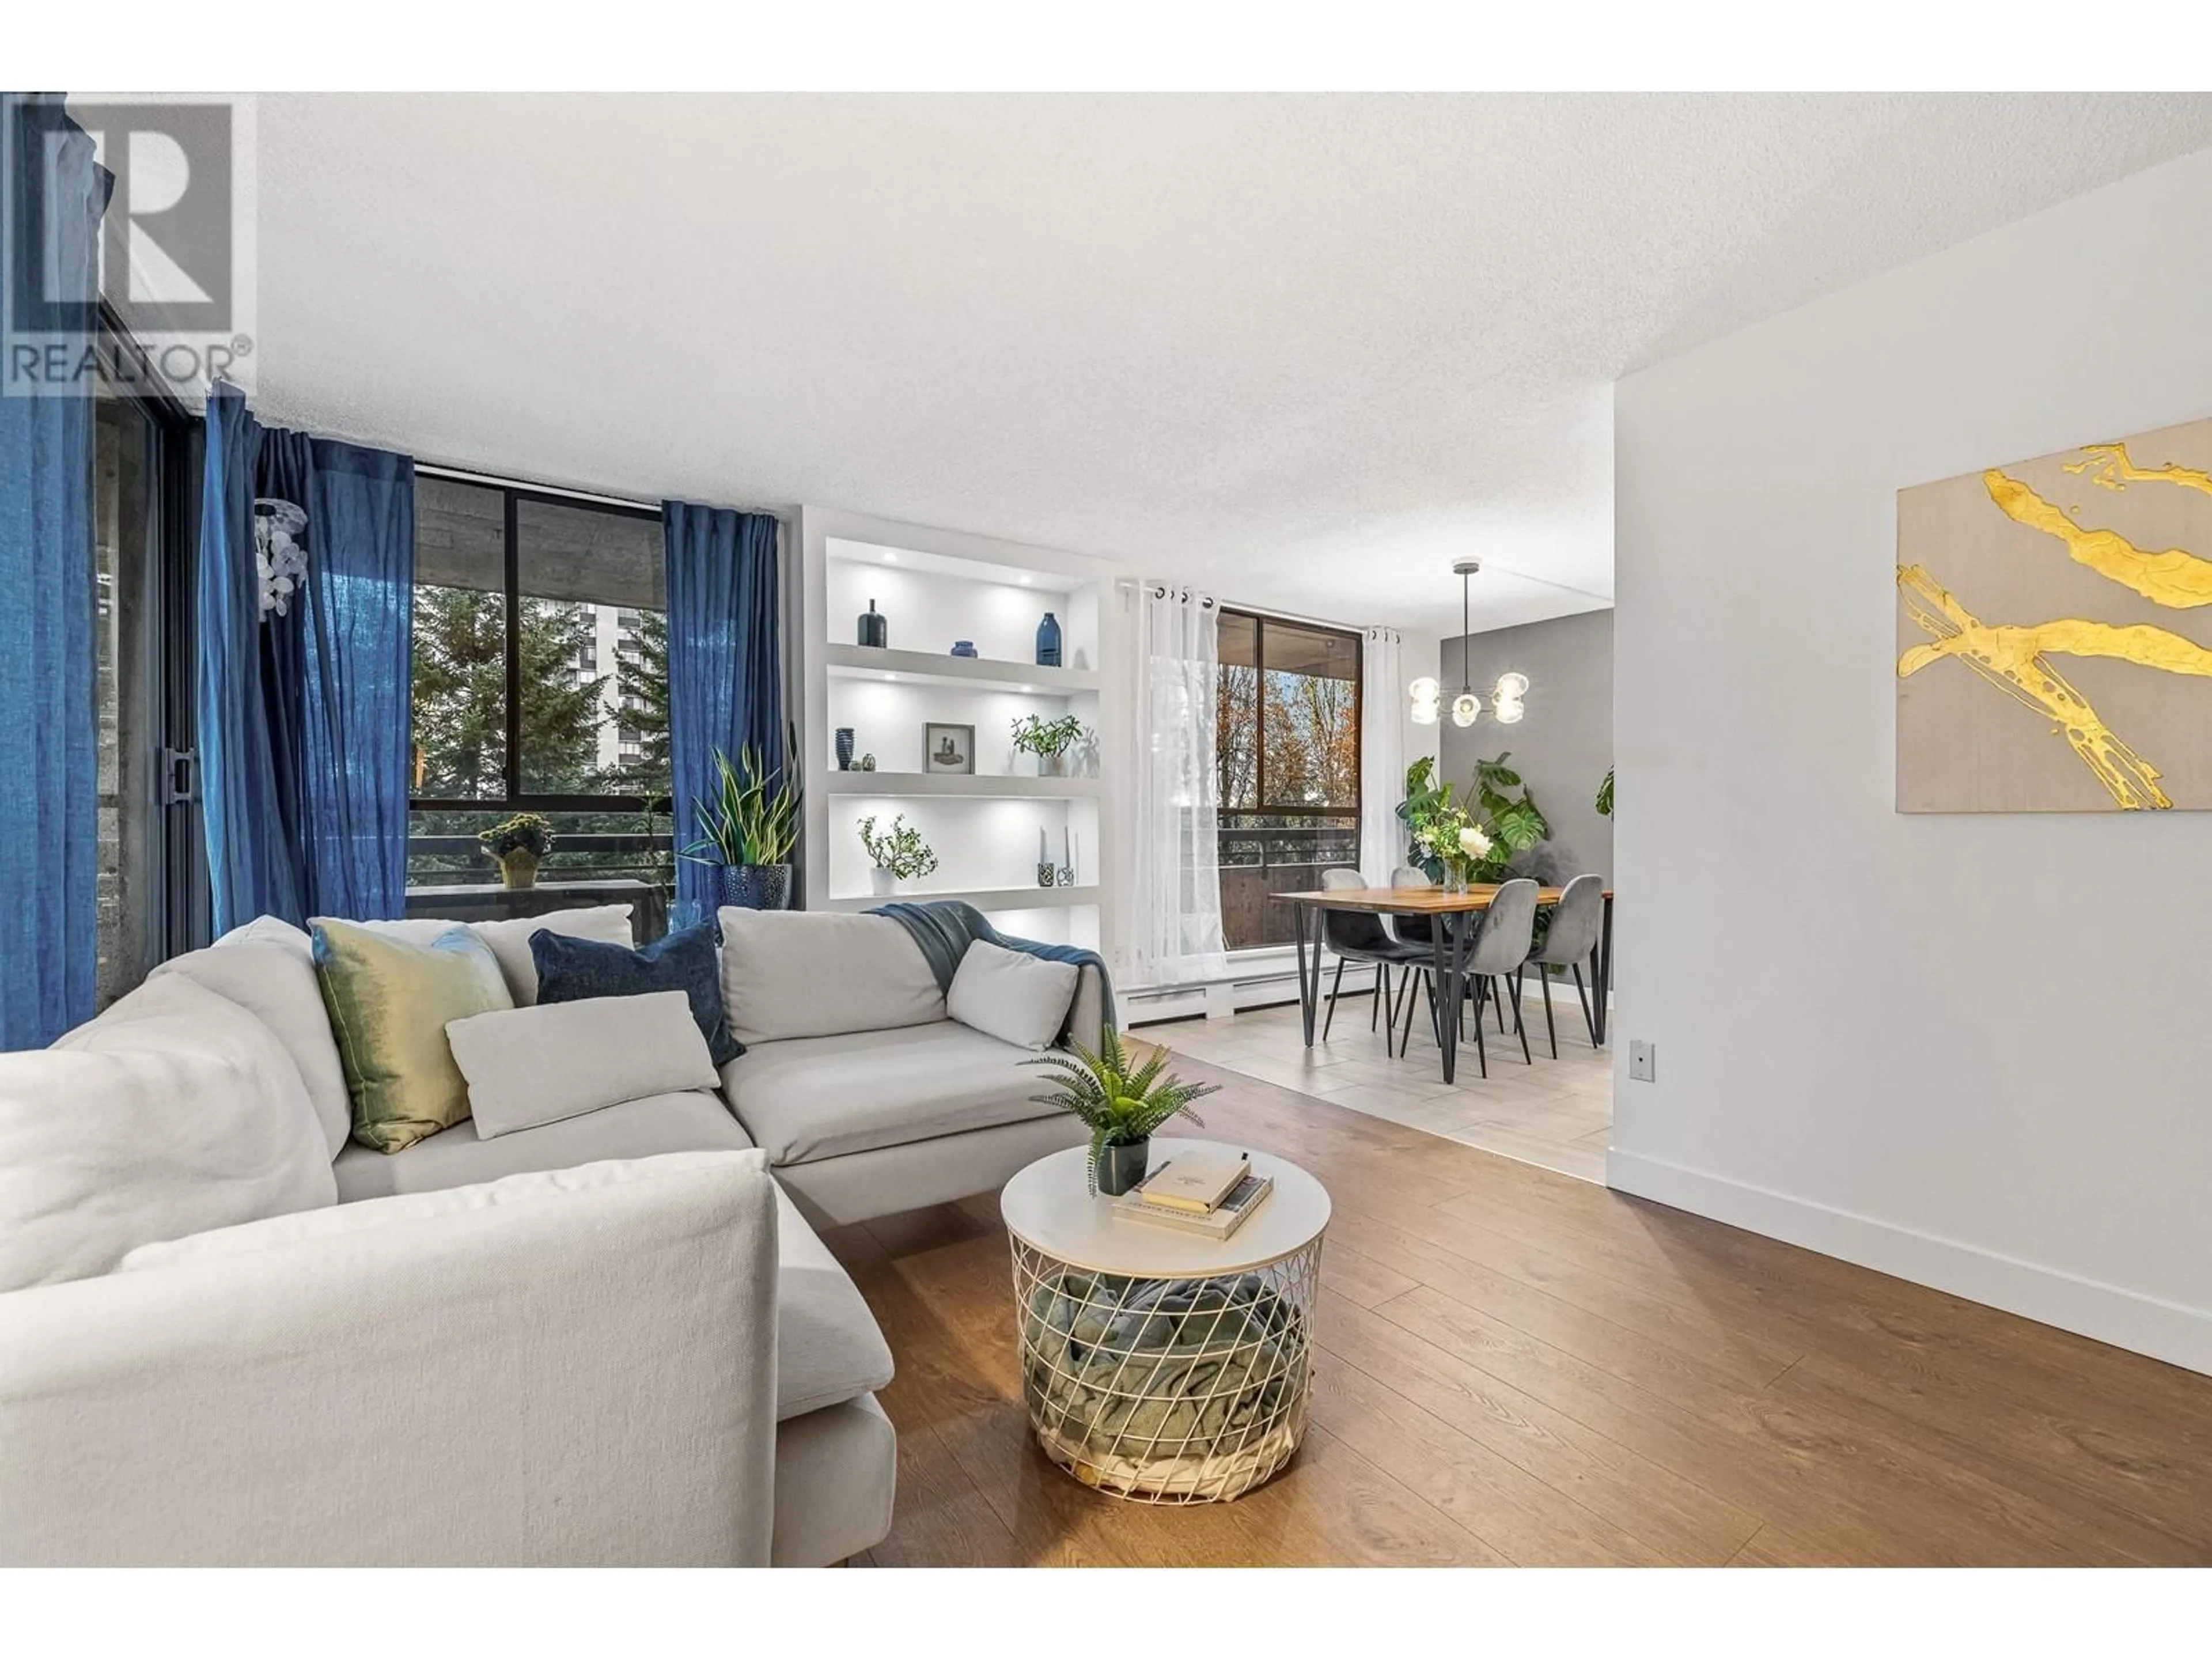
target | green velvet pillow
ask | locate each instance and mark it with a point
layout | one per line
(389, 1001)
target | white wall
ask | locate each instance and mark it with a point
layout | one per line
(1970, 1050)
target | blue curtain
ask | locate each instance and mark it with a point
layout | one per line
(359, 651)
(725, 656)
(303, 719)
(52, 194)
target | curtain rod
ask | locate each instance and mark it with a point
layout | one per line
(470, 475)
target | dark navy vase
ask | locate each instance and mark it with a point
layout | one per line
(1049, 641)
(753, 886)
(875, 627)
(844, 749)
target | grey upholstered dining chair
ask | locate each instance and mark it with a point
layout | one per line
(1356, 936)
(1509, 927)
(1570, 942)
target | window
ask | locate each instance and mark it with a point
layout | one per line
(520, 597)
(1287, 748)
(151, 894)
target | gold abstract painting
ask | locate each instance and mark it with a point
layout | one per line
(2055, 632)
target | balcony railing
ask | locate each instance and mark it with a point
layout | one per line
(1260, 857)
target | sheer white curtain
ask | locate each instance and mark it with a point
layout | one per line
(1382, 754)
(1176, 875)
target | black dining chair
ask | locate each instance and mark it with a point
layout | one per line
(1356, 936)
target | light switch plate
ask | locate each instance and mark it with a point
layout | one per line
(1640, 1058)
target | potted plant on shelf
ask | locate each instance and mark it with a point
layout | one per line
(518, 843)
(1119, 1106)
(899, 854)
(1049, 740)
(747, 829)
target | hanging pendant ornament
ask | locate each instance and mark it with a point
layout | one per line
(279, 560)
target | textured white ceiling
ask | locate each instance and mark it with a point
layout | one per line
(1304, 349)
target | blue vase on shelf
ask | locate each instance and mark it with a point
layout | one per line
(1049, 641)
(875, 628)
(964, 647)
(844, 749)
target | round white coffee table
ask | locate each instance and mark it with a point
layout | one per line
(1158, 1365)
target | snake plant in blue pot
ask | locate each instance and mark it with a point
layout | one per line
(1120, 1105)
(748, 827)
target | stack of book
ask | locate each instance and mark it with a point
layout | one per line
(1209, 1193)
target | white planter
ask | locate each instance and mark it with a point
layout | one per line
(1052, 765)
(882, 882)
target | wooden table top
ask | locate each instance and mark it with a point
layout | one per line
(1409, 900)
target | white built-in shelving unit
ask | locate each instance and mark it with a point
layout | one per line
(934, 587)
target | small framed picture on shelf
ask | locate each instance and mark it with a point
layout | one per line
(948, 750)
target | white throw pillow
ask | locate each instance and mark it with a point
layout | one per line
(531, 1066)
(815, 973)
(175, 1111)
(370, 1214)
(1012, 995)
(510, 941)
(272, 977)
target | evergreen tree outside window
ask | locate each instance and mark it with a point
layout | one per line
(540, 682)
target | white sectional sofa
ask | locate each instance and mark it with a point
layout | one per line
(228, 1334)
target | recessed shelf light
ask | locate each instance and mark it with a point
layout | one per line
(889, 557)
(1025, 580)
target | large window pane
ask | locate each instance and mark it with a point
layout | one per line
(1287, 743)
(1311, 721)
(1236, 739)
(460, 642)
(594, 650)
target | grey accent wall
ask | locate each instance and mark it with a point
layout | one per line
(1564, 744)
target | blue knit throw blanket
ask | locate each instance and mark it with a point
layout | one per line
(945, 928)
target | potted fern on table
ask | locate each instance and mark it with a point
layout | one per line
(1120, 1106)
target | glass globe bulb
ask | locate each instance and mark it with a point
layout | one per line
(1424, 690)
(1424, 713)
(1467, 708)
(1508, 710)
(1512, 687)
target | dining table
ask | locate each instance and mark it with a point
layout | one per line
(1457, 917)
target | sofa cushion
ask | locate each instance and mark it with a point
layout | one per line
(278, 1232)
(390, 1001)
(509, 941)
(689, 960)
(1012, 995)
(175, 1111)
(791, 974)
(531, 1066)
(828, 1346)
(691, 1122)
(817, 1097)
(268, 968)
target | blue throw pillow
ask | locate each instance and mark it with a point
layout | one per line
(570, 970)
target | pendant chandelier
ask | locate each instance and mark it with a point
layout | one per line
(1467, 708)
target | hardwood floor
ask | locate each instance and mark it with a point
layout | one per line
(1518, 1367)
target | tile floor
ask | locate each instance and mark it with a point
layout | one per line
(1556, 1113)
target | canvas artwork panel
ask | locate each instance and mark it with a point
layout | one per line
(2054, 632)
